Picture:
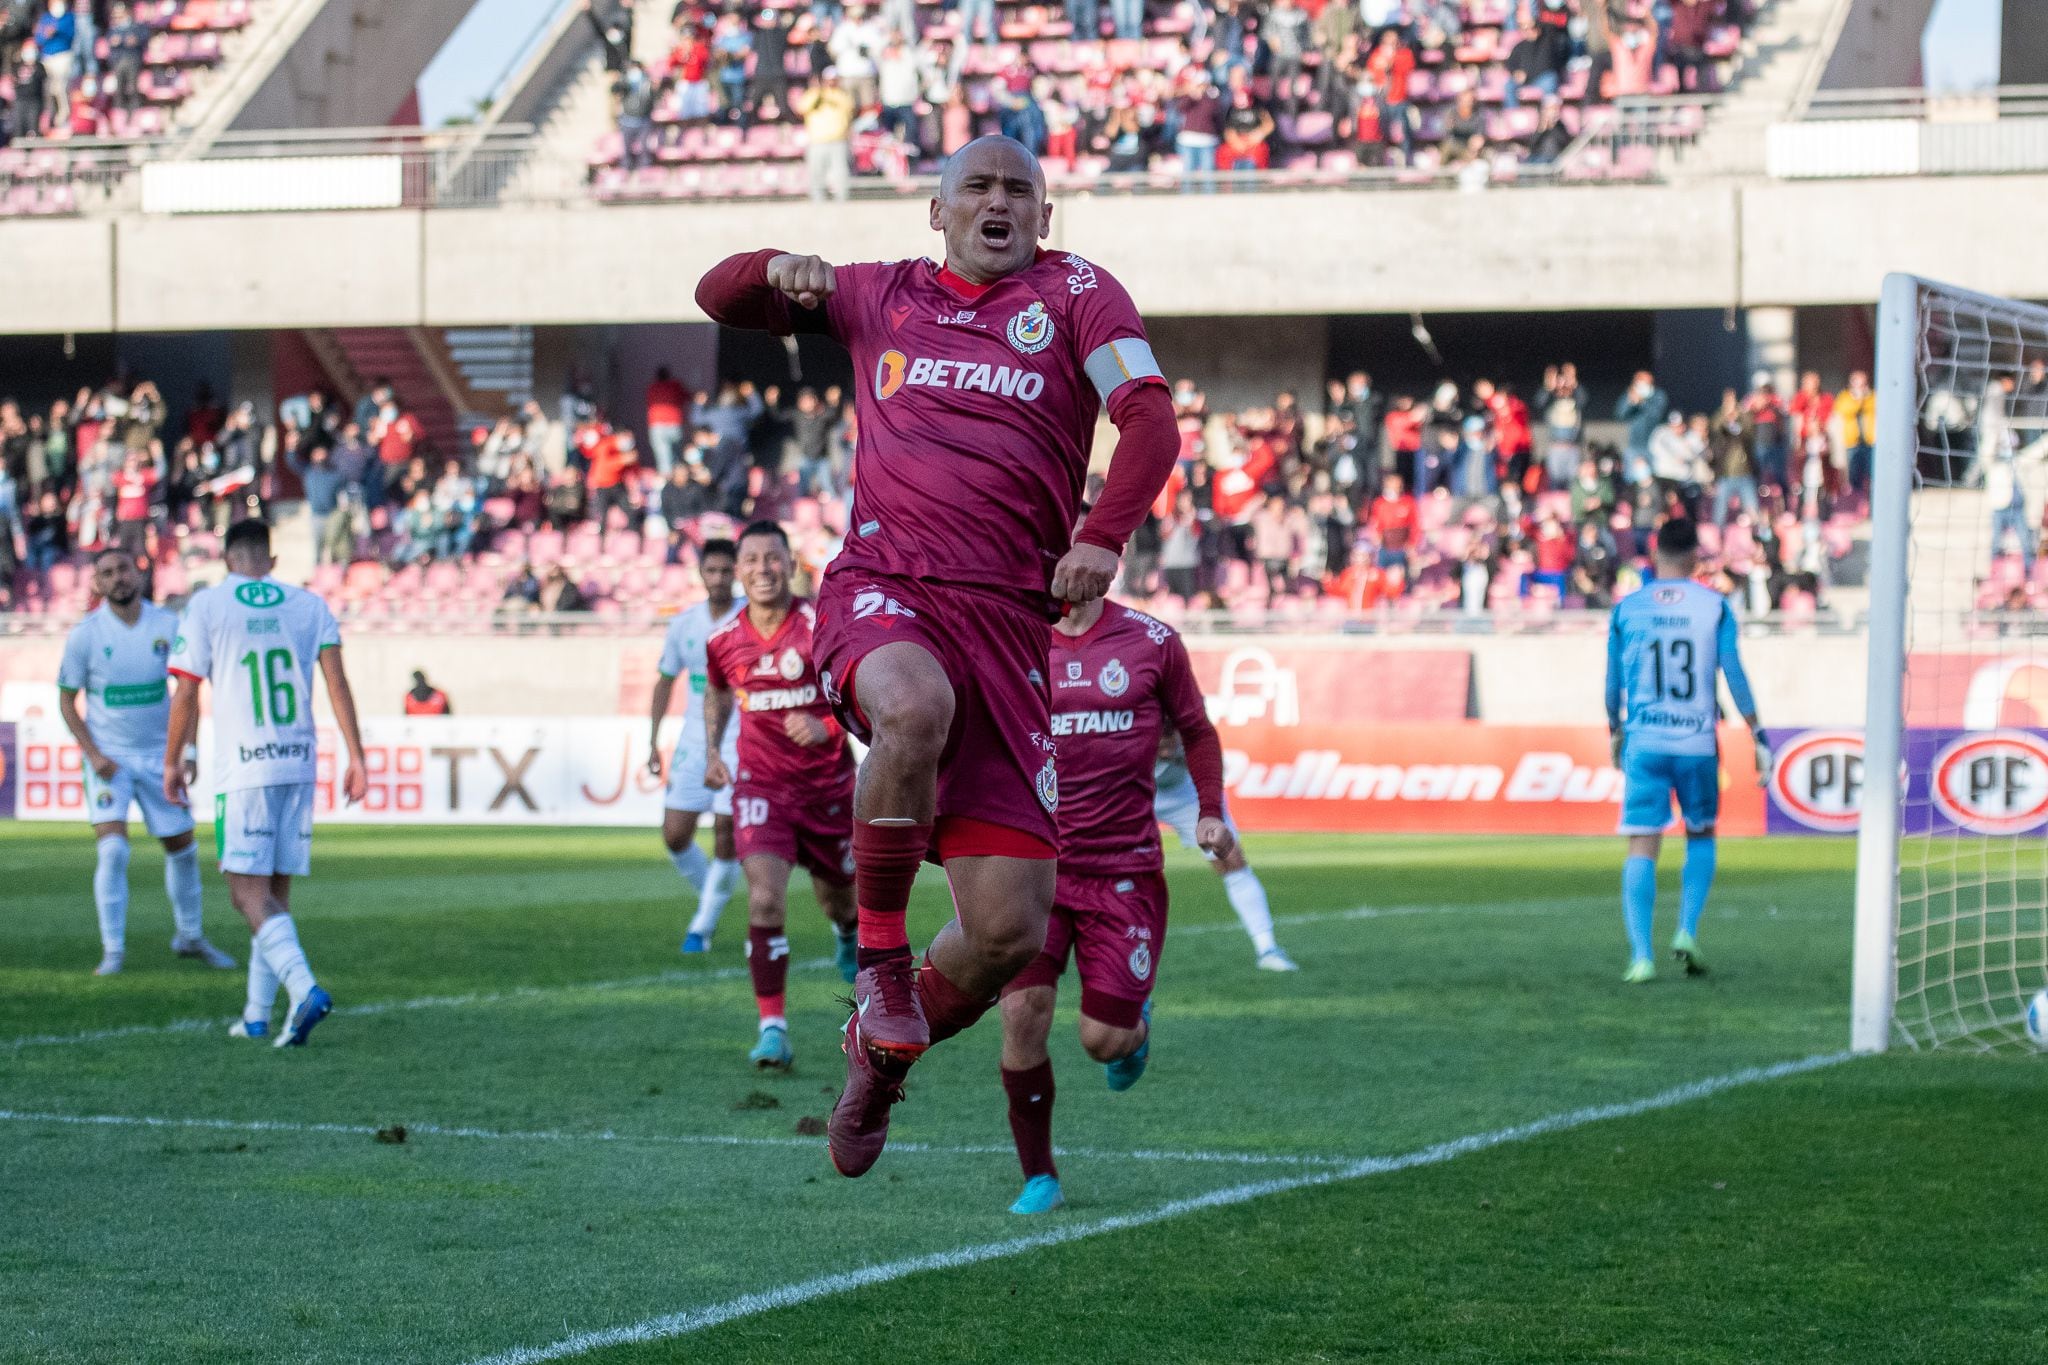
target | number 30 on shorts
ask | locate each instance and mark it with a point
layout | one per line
(751, 811)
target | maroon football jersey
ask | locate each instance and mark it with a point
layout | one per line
(977, 407)
(769, 679)
(1114, 688)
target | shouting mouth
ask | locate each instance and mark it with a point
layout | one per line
(997, 233)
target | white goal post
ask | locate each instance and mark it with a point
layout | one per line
(1951, 883)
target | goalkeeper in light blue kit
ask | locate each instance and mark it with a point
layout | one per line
(1665, 644)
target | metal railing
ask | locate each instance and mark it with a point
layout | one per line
(1635, 140)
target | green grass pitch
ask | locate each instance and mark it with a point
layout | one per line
(587, 1151)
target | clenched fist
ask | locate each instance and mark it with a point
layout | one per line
(1083, 574)
(807, 280)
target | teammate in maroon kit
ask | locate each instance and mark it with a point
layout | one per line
(977, 386)
(792, 799)
(1118, 678)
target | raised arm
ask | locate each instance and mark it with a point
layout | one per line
(768, 291)
(355, 781)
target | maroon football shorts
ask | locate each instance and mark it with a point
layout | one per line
(994, 646)
(811, 830)
(1115, 927)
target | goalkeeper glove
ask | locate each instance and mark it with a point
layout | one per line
(1763, 757)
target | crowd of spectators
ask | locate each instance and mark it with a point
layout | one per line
(1468, 498)
(1475, 497)
(1200, 86)
(99, 68)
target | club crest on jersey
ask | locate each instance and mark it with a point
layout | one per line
(1049, 787)
(1074, 671)
(1113, 678)
(1031, 330)
(259, 594)
(160, 647)
(1141, 962)
(791, 665)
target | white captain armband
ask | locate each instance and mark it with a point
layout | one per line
(1116, 363)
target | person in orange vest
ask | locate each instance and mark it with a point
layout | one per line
(425, 699)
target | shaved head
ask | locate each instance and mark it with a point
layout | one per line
(974, 154)
(992, 208)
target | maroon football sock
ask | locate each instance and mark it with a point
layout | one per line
(947, 1009)
(1030, 1092)
(885, 863)
(768, 964)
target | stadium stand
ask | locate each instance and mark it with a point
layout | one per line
(119, 72)
(1484, 86)
(1524, 509)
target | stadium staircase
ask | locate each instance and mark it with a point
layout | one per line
(447, 380)
(1780, 61)
(274, 28)
(567, 97)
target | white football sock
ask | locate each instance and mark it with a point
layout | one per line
(181, 881)
(262, 986)
(1248, 898)
(690, 863)
(278, 940)
(717, 890)
(110, 892)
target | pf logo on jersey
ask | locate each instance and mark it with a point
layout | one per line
(1049, 787)
(259, 594)
(1113, 678)
(1031, 330)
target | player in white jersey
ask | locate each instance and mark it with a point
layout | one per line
(1666, 644)
(1175, 805)
(258, 642)
(687, 798)
(118, 658)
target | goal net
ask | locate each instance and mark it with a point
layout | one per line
(1952, 884)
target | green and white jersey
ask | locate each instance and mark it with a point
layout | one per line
(257, 641)
(682, 656)
(122, 670)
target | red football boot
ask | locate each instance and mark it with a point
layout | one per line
(885, 1035)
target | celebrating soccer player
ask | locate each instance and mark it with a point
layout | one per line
(1119, 678)
(257, 641)
(1179, 809)
(1665, 644)
(117, 656)
(977, 390)
(793, 790)
(687, 798)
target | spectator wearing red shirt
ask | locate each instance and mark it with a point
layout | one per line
(1554, 552)
(1512, 439)
(668, 403)
(1811, 410)
(1770, 421)
(610, 460)
(133, 488)
(1403, 425)
(425, 699)
(397, 434)
(1394, 520)
(1389, 67)
(207, 417)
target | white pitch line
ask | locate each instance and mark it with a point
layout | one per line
(824, 1286)
(640, 1139)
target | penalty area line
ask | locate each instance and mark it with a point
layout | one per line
(683, 1323)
